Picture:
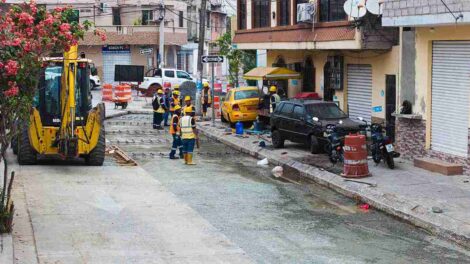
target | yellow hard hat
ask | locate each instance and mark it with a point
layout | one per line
(160, 91)
(188, 109)
(206, 84)
(272, 89)
(177, 107)
(187, 98)
(176, 92)
(176, 87)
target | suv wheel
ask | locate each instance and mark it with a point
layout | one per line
(278, 141)
(314, 146)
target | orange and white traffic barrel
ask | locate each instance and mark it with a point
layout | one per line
(355, 157)
(123, 93)
(107, 92)
(217, 106)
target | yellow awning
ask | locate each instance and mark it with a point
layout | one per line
(271, 73)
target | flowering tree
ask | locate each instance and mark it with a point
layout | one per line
(27, 33)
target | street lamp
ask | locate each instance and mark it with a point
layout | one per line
(160, 12)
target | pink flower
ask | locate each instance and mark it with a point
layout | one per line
(26, 18)
(11, 67)
(12, 91)
(64, 27)
(16, 42)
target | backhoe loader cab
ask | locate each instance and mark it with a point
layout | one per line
(62, 121)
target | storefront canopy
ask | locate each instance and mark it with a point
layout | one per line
(271, 73)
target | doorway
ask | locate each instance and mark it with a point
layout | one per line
(390, 104)
(308, 76)
(328, 92)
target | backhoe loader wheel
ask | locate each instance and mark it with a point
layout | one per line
(96, 156)
(26, 154)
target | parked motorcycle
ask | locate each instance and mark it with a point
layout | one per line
(382, 146)
(334, 141)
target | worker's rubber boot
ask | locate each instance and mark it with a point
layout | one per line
(190, 160)
(172, 154)
(185, 158)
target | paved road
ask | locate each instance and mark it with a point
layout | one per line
(275, 221)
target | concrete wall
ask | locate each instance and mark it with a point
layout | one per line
(383, 63)
(408, 71)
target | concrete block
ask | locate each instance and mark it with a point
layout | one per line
(438, 166)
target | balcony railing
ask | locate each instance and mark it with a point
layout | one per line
(130, 30)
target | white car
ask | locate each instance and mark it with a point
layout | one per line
(95, 81)
(155, 79)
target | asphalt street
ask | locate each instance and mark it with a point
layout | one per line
(272, 220)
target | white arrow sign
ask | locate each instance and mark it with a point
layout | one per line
(212, 59)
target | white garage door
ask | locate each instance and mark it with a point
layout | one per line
(110, 59)
(450, 91)
(360, 91)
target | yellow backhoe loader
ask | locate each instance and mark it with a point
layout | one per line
(62, 122)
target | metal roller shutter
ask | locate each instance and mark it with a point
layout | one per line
(110, 59)
(450, 92)
(360, 91)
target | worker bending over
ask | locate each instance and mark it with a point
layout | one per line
(158, 105)
(206, 99)
(189, 135)
(275, 99)
(175, 132)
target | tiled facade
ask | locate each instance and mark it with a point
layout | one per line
(399, 8)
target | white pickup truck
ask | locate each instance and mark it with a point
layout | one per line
(154, 79)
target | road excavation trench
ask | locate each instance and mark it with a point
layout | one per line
(275, 221)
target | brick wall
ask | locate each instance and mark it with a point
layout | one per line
(399, 8)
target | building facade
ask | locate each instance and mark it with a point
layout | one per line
(353, 62)
(435, 78)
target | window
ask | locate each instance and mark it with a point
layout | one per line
(247, 94)
(296, 3)
(283, 12)
(116, 16)
(170, 74)
(180, 19)
(242, 14)
(332, 10)
(298, 111)
(260, 15)
(183, 75)
(325, 111)
(208, 19)
(287, 109)
(147, 17)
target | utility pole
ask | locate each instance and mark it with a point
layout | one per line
(200, 53)
(161, 42)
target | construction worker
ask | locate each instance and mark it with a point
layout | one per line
(174, 101)
(206, 98)
(176, 133)
(166, 99)
(189, 135)
(158, 105)
(176, 87)
(188, 105)
(274, 98)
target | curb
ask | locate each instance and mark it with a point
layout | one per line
(401, 207)
(6, 248)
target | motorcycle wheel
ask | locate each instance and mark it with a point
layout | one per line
(390, 162)
(376, 155)
(333, 155)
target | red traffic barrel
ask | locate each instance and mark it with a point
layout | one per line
(355, 157)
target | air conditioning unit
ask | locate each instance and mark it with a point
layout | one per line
(104, 7)
(306, 13)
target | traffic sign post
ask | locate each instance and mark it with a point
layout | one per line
(212, 59)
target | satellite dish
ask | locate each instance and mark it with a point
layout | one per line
(355, 8)
(375, 7)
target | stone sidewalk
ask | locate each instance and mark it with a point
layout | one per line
(407, 192)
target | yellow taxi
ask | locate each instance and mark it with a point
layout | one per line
(240, 104)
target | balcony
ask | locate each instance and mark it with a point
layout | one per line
(136, 35)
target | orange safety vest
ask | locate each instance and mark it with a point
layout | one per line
(178, 129)
(203, 95)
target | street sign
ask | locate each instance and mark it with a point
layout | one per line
(212, 59)
(146, 51)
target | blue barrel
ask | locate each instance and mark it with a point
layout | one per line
(239, 128)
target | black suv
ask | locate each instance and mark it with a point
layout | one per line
(293, 120)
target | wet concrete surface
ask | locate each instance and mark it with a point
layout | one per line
(276, 221)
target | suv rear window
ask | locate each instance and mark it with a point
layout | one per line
(246, 94)
(287, 109)
(325, 111)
